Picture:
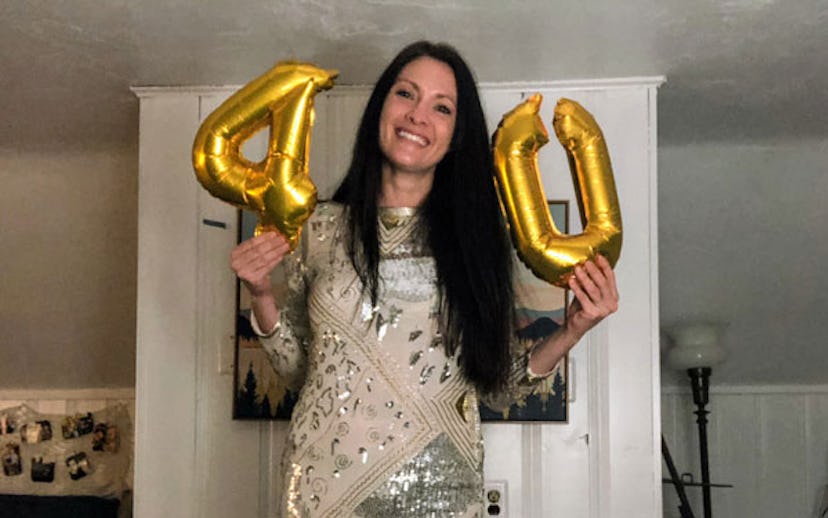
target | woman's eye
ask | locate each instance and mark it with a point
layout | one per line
(442, 108)
(405, 94)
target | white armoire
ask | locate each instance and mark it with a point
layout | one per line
(192, 460)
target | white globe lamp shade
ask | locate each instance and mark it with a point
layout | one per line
(695, 345)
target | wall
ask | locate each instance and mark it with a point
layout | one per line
(770, 442)
(69, 230)
(767, 440)
(68, 243)
(753, 258)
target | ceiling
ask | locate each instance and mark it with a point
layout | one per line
(738, 71)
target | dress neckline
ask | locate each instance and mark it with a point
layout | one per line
(392, 217)
(399, 211)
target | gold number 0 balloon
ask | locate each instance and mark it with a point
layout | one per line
(278, 188)
(551, 255)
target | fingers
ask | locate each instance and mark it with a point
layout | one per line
(254, 259)
(609, 274)
(590, 277)
(264, 242)
(582, 297)
(593, 285)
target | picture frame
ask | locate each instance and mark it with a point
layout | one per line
(541, 309)
(259, 393)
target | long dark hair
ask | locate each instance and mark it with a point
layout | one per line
(465, 228)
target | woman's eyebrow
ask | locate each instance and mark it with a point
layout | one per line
(419, 90)
(446, 96)
(410, 82)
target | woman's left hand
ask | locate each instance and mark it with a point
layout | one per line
(596, 296)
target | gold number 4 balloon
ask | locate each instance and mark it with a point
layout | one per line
(278, 188)
(551, 255)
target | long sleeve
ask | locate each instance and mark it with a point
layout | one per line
(287, 344)
(538, 305)
(521, 381)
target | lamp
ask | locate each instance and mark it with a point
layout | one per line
(697, 349)
(696, 346)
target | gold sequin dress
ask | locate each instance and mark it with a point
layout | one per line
(386, 425)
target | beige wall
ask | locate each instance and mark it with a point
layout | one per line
(68, 241)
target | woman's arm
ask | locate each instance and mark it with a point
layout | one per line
(253, 261)
(281, 322)
(596, 297)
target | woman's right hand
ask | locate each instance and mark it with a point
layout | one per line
(255, 258)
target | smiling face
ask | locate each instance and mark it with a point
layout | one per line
(418, 116)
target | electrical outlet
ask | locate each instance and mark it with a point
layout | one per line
(494, 498)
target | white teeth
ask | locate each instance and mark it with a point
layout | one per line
(412, 137)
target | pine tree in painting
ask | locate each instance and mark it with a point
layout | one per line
(265, 412)
(246, 403)
(559, 388)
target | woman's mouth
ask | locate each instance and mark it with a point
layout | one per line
(413, 137)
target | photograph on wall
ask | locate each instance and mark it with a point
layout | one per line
(42, 471)
(541, 309)
(259, 393)
(78, 465)
(36, 432)
(77, 425)
(105, 437)
(12, 464)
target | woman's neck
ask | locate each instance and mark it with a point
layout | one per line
(404, 189)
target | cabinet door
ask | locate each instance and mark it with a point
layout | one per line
(546, 466)
(228, 452)
(621, 353)
(338, 114)
(185, 321)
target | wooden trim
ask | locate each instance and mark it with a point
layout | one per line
(655, 336)
(577, 84)
(532, 470)
(600, 487)
(518, 86)
(751, 389)
(205, 90)
(67, 394)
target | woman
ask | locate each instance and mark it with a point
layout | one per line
(399, 312)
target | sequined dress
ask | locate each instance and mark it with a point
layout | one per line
(386, 424)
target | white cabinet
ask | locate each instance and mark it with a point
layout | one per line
(192, 460)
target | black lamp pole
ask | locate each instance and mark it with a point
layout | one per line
(700, 381)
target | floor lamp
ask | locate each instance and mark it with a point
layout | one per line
(697, 349)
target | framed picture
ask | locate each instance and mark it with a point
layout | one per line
(260, 394)
(541, 309)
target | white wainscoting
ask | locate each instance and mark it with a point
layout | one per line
(770, 442)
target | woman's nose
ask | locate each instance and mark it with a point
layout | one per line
(416, 114)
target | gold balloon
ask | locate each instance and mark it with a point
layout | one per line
(550, 254)
(278, 188)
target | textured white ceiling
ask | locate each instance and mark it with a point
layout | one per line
(736, 69)
(738, 72)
